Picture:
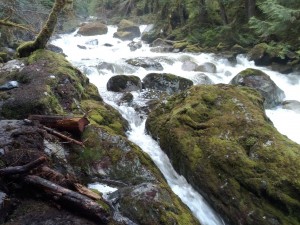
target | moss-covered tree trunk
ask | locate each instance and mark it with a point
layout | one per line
(43, 37)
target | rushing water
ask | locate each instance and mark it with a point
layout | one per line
(89, 52)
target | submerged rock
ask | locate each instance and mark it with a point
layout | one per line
(291, 105)
(262, 82)
(124, 83)
(134, 45)
(169, 83)
(220, 139)
(189, 66)
(207, 67)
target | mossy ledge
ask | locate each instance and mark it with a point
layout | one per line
(220, 139)
(49, 76)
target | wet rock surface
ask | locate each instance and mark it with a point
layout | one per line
(124, 83)
(147, 63)
(169, 83)
(262, 82)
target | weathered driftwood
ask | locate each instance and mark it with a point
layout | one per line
(73, 125)
(62, 136)
(22, 169)
(70, 198)
(87, 192)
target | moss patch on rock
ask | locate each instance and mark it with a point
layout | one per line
(220, 139)
(109, 156)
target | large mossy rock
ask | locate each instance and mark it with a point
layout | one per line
(261, 82)
(143, 194)
(48, 85)
(220, 139)
(91, 29)
(127, 30)
(124, 83)
(169, 83)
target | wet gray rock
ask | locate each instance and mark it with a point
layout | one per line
(189, 66)
(202, 78)
(262, 82)
(134, 45)
(291, 105)
(124, 83)
(207, 67)
(169, 83)
(147, 63)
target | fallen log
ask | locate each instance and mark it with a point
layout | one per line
(73, 125)
(22, 169)
(87, 192)
(62, 136)
(70, 198)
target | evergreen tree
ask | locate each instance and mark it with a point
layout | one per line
(279, 21)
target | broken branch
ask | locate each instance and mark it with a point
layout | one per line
(72, 199)
(62, 136)
(22, 169)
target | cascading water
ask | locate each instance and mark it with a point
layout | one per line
(89, 52)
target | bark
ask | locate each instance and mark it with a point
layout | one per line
(250, 8)
(22, 169)
(45, 34)
(73, 200)
(202, 11)
(74, 125)
(16, 25)
(223, 12)
(62, 136)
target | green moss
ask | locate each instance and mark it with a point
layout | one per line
(219, 137)
(25, 49)
(104, 115)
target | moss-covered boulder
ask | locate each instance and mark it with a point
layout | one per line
(169, 83)
(279, 56)
(124, 83)
(220, 139)
(262, 82)
(127, 30)
(110, 156)
(150, 203)
(48, 85)
(93, 28)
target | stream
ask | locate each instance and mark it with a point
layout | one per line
(88, 52)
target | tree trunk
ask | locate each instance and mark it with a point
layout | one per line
(223, 12)
(202, 11)
(250, 8)
(43, 37)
